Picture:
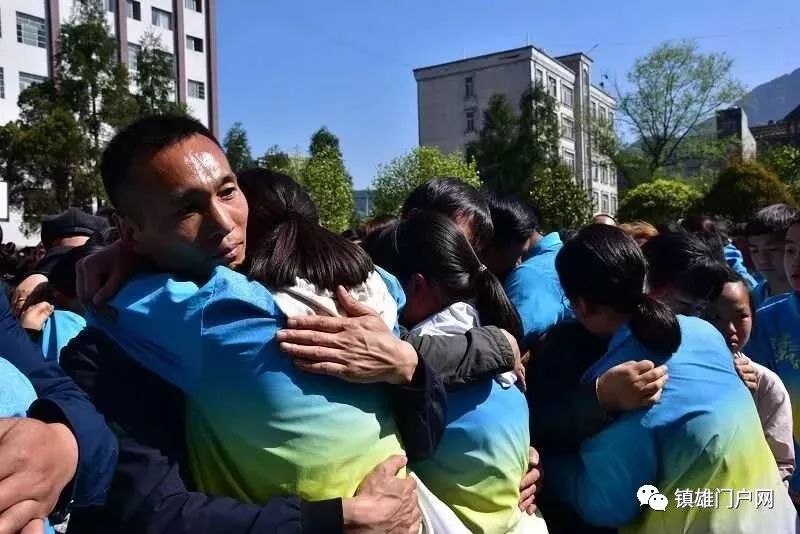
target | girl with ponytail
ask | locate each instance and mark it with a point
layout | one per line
(484, 450)
(703, 433)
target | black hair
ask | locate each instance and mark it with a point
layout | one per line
(514, 220)
(430, 244)
(454, 199)
(146, 135)
(285, 240)
(713, 231)
(687, 263)
(604, 266)
(771, 220)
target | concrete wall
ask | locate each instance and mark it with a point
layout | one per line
(16, 57)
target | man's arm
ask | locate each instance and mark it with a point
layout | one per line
(61, 401)
(148, 493)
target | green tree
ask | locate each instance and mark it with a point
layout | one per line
(743, 188)
(512, 146)
(674, 88)
(657, 202)
(54, 148)
(784, 161)
(277, 160)
(397, 179)
(237, 148)
(325, 179)
(561, 202)
(155, 79)
(322, 140)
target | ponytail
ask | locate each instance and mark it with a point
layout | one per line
(655, 326)
(493, 305)
(286, 242)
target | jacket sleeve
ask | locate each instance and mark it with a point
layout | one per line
(148, 493)
(601, 481)
(420, 410)
(459, 360)
(60, 400)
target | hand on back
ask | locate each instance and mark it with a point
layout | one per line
(631, 385)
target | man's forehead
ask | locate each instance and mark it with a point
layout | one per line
(191, 164)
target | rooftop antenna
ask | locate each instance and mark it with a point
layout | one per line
(527, 39)
(592, 49)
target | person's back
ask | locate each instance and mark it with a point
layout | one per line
(704, 434)
(484, 449)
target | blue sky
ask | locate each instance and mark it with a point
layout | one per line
(288, 67)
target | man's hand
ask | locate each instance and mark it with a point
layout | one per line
(24, 290)
(359, 348)
(102, 274)
(384, 502)
(631, 385)
(34, 317)
(746, 371)
(37, 461)
(530, 484)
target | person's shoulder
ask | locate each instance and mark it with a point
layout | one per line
(68, 317)
(775, 303)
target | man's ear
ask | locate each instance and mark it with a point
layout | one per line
(129, 231)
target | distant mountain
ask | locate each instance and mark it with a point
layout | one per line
(773, 100)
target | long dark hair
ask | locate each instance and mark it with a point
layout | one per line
(514, 221)
(604, 266)
(430, 244)
(685, 262)
(285, 240)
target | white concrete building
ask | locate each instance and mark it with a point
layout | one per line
(452, 98)
(186, 28)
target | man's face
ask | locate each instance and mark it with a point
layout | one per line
(766, 251)
(191, 216)
(791, 258)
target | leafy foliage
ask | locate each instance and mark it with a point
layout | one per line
(397, 179)
(50, 155)
(784, 161)
(561, 202)
(512, 146)
(155, 79)
(675, 88)
(237, 148)
(326, 181)
(742, 189)
(657, 202)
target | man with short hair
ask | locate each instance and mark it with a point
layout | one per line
(180, 209)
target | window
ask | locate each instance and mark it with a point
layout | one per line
(194, 43)
(111, 6)
(613, 204)
(2, 83)
(197, 89)
(595, 200)
(162, 19)
(612, 175)
(552, 87)
(569, 160)
(133, 57)
(540, 77)
(567, 127)
(566, 95)
(604, 205)
(194, 5)
(133, 9)
(603, 174)
(595, 172)
(469, 87)
(31, 30)
(469, 115)
(611, 119)
(171, 60)
(594, 110)
(602, 113)
(26, 80)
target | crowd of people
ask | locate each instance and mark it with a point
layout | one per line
(208, 358)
